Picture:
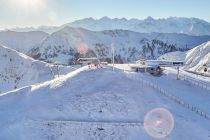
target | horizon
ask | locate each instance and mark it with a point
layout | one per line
(36, 13)
(104, 69)
(40, 26)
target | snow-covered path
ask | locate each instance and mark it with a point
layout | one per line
(199, 79)
(97, 100)
(188, 91)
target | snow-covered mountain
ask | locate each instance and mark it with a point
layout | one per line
(65, 45)
(22, 41)
(196, 59)
(46, 29)
(174, 56)
(191, 26)
(18, 70)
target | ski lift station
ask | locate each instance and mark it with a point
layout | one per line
(91, 61)
(155, 67)
(88, 61)
(164, 63)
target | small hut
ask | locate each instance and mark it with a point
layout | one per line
(89, 61)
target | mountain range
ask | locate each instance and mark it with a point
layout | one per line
(132, 39)
(190, 26)
(64, 46)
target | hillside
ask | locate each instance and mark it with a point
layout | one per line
(199, 58)
(22, 41)
(64, 46)
(18, 70)
(174, 56)
(196, 59)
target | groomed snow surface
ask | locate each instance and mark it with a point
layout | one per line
(98, 104)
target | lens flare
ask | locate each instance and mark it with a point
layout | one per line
(52, 16)
(30, 3)
(82, 48)
(159, 123)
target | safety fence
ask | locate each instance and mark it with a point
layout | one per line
(191, 79)
(195, 82)
(171, 97)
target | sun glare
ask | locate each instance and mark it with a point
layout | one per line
(29, 6)
(28, 2)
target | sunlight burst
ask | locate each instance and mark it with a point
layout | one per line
(29, 6)
(29, 2)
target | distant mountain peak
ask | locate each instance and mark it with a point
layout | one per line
(90, 19)
(149, 18)
(105, 18)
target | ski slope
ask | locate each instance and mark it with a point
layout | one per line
(96, 104)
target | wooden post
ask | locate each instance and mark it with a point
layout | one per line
(58, 71)
(113, 57)
(177, 78)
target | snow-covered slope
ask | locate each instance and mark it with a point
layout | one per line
(196, 59)
(18, 70)
(191, 26)
(22, 41)
(62, 46)
(174, 56)
(92, 105)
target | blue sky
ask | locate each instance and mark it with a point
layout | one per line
(26, 13)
